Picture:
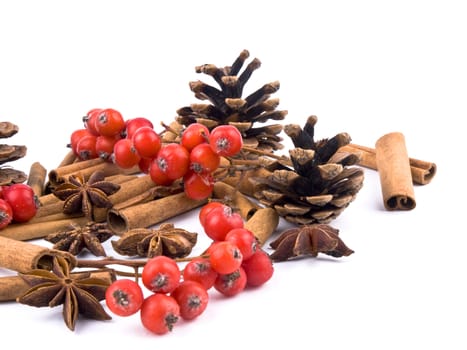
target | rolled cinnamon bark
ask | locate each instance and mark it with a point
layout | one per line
(29, 231)
(150, 213)
(12, 287)
(393, 165)
(25, 256)
(263, 223)
(36, 178)
(422, 171)
(86, 168)
(237, 200)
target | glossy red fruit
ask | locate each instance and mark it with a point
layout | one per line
(258, 268)
(125, 155)
(134, 124)
(161, 274)
(173, 160)
(225, 257)
(110, 122)
(232, 283)
(226, 140)
(206, 209)
(76, 136)
(192, 298)
(124, 297)
(105, 146)
(22, 200)
(89, 120)
(244, 239)
(146, 142)
(219, 221)
(193, 135)
(6, 213)
(159, 313)
(200, 270)
(198, 186)
(86, 147)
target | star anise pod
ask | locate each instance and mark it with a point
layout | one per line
(79, 294)
(309, 240)
(76, 238)
(166, 240)
(79, 195)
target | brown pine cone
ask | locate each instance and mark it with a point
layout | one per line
(318, 184)
(9, 153)
(227, 106)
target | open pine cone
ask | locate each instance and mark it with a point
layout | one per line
(227, 106)
(318, 184)
(9, 153)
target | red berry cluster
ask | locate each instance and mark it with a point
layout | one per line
(232, 262)
(18, 203)
(135, 143)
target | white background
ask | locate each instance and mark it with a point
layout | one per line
(363, 67)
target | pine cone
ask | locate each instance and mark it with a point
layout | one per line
(227, 106)
(317, 184)
(9, 153)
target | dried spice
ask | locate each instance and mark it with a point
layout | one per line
(79, 294)
(227, 106)
(309, 240)
(81, 196)
(89, 236)
(317, 184)
(9, 153)
(166, 240)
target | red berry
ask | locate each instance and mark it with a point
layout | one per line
(226, 140)
(159, 313)
(161, 274)
(258, 268)
(206, 209)
(192, 298)
(232, 283)
(219, 221)
(110, 122)
(194, 134)
(198, 186)
(86, 147)
(146, 142)
(125, 155)
(76, 136)
(173, 160)
(124, 297)
(134, 124)
(23, 201)
(89, 121)
(244, 239)
(105, 146)
(6, 213)
(225, 257)
(200, 270)
(203, 159)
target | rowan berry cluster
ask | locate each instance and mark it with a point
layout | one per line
(232, 262)
(135, 143)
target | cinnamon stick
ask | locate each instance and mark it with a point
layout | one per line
(235, 199)
(393, 165)
(29, 231)
(150, 213)
(12, 287)
(36, 178)
(25, 256)
(68, 159)
(86, 168)
(422, 171)
(263, 223)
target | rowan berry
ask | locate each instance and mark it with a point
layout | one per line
(161, 274)
(192, 298)
(124, 297)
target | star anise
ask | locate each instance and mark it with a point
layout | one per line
(79, 294)
(79, 195)
(166, 240)
(77, 238)
(309, 240)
